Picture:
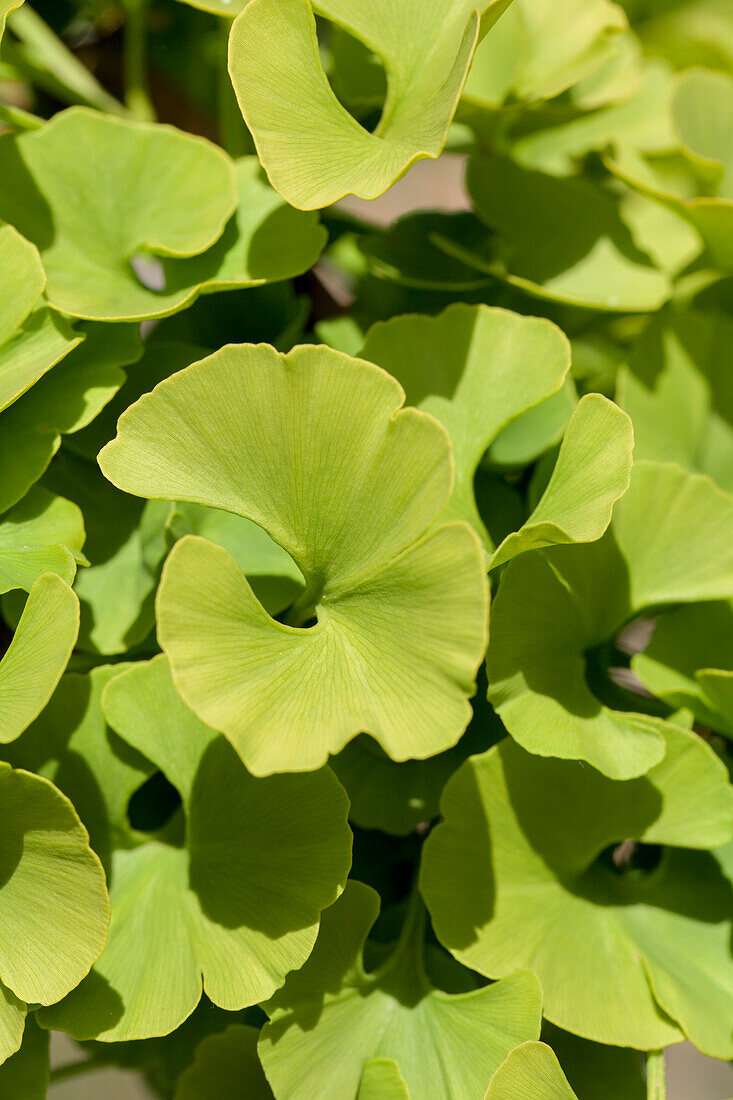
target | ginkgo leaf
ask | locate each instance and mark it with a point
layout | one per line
(670, 542)
(38, 654)
(126, 544)
(64, 401)
(332, 1017)
(6, 9)
(641, 121)
(535, 431)
(32, 338)
(348, 485)
(531, 1072)
(587, 259)
(71, 744)
(475, 369)
(53, 901)
(42, 534)
(230, 907)
(698, 182)
(688, 660)
(538, 50)
(410, 253)
(225, 1066)
(676, 389)
(312, 149)
(171, 193)
(382, 1080)
(592, 472)
(625, 957)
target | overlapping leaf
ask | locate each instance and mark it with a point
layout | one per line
(172, 195)
(32, 338)
(42, 534)
(678, 392)
(698, 181)
(313, 150)
(315, 448)
(53, 901)
(332, 1018)
(63, 402)
(531, 1072)
(627, 959)
(539, 50)
(36, 658)
(670, 542)
(587, 255)
(475, 369)
(689, 660)
(216, 908)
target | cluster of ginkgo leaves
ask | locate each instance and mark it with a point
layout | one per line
(366, 704)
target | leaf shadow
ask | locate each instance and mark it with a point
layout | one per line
(21, 202)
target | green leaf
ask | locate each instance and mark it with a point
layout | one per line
(312, 149)
(409, 251)
(475, 369)
(531, 1072)
(592, 472)
(64, 401)
(677, 389)
(126, 544)
(641, 121)
(232, 907)
(32, 338)
(170, 193)
(350, 486)
(382, 1080)
(42, 534)
(6, 8)
(226, 1065)
(538, 50)
(685, 660)
(332, 1017)
(71, 744)
(698, 182)
(53, 902)
(589, 259)
(26, 1074)
(536, 431)
(38, 654)
(670, 542)
(511, 882)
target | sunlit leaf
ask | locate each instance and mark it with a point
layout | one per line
(348, 485)
(37, 655)
(332, 1017)
(555, 607)
(41, 534)
(620, 954)
(312, 149)
(476, 370)
(53, 902)
(216, 909)
(531, 1072)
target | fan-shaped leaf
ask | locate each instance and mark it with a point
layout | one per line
(670, 542)
(511, 882)
(41, 534)
(531, 1072)
(38, 654)
(225, 1066)
(53, 902)
(313, 150)
(475, 369)
(347, 483)
(331, 1019)
(219, 910)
